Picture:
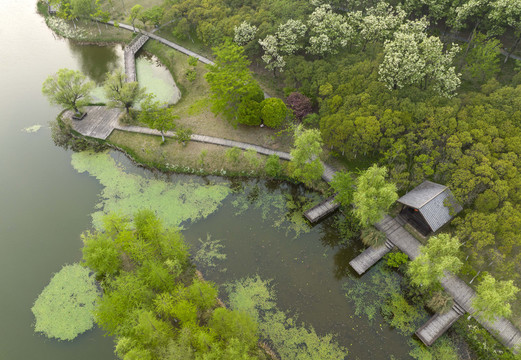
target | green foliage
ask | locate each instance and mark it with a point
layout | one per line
(234, 325)
(192, 61)
(400, 315)
(493, 297)
(442, 349)
(396, 259)
(441, 302)
(233, 154)
(439, 255)
(482, 58)
(373, 237)
(121, 93)
(203, 294)
(233, 89)
(210, 252)
(369, 294)
(373, 196)
(343, 184)
(183, 135)
(157, 115)
(124, 193)
(273, 112)
(248, 112)
(255, 297)
(100, 253)
(305, 164)
(64, 308)
(191, 75)
(273, 167)
(69, 89)
(252, 158)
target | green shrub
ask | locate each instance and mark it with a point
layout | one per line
(273, 112)
(233, 154)
(373, 237)
(251, 156)
(273, 167)
(396, 259)
(191, 74)
(249, 112)
(192, 61)
(440, 302)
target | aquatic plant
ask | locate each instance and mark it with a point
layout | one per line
(368, 294)
(292, 340)
(65, 307)
(210, 252)
(124, 193)
(32, 129)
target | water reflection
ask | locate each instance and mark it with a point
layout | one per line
(97, 61)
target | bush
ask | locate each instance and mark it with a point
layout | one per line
(249, 112)
(252, 157)
(233, 154)
(183, 135)
(300, 104)
(273, 112)
(191, 74)
(441, 302)
(396, 259)
(311, 121)
(192, 61)
(373, 237)
(273, 167)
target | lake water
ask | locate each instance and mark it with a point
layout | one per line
(45, 204)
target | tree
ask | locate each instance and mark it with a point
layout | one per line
(493, 297)
(289, 36)
(231, 81)
(271, 56)
(305, 164)
(135, 12)
(157, 115)
(122, 93)
(483, 58)
(439, 255)
(100, 14)
(344, 186)
(153, 14)
(299, 104)
(244, 33)
(68, 88)
(328, 31)
(273, 167)
(373, 196)
(380, 23)
(101, 254)
(273, 112)
(507, 13)
(412, 57)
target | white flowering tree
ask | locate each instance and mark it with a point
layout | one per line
(271, 56)
(474, 11)
(244, 33)
(328, 31)
(289, 35)
(412, 57)
(380, 23)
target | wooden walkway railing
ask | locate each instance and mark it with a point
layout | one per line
(130, 56)
(321, 210)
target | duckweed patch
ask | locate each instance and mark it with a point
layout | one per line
(65, 307)
(124, 193)
(291, 339)
(210, 253)
(32, 129)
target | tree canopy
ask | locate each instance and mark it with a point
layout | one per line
(121, 93)
(69, 89)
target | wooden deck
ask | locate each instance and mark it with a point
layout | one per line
(438, 324)
(462, 293)
(321, 210)
(99, 122)
(369, 257)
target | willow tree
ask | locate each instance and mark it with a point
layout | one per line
(373, 196)
(493, 297)
(305, 162)
(69, 89)
(121, 93)
(439, 255)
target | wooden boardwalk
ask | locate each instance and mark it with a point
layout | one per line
(130, 56)
(438, 324)
(99, 122)
(462, 293)
(369, 257)
(319, 211)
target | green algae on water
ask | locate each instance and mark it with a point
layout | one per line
(157, 80)
(65, 308)
(124, 193)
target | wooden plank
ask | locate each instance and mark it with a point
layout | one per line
(436, 326)
(368, 258)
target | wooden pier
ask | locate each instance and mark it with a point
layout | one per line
(438, 324)
(98, 123)
(130, 56)
(369, 257)
(460, 291)
(321, 210)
